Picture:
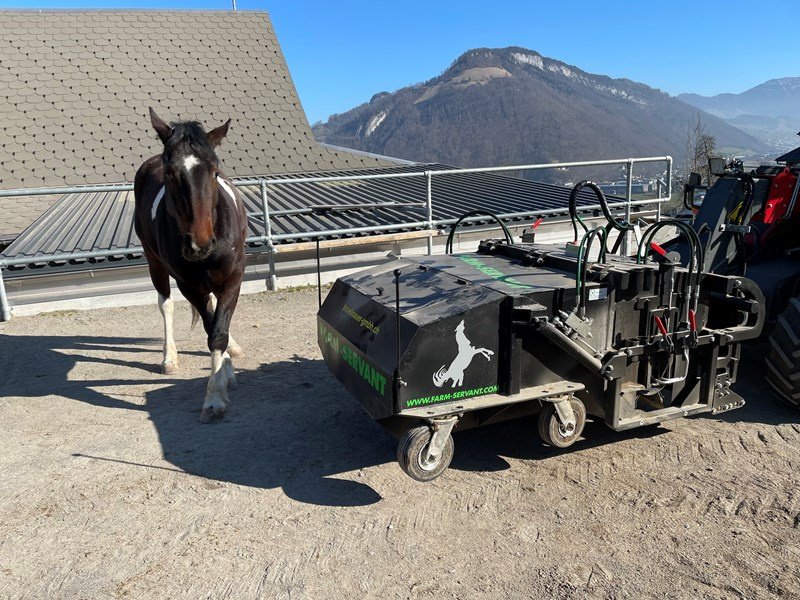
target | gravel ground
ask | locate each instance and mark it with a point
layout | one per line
(110, 488)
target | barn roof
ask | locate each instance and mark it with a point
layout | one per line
(75, 87)
(792, 157)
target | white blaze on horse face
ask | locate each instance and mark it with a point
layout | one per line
(224, 185)
(170, 363)
(189, 162)
(156, 202)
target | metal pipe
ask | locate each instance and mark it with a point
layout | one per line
(269, 238)
(5, 308)
(265, 239)
(565, 165)
(319, 277)
(429, 208)
(659, 186)
(329, 178)
(569, 346)
(69, 256)
(554, 211)
(126, 187)
(669, 178)
(628, 198)
(77, 189)
(272, 282)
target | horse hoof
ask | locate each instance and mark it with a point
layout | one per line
(212, 415)
(169, 368)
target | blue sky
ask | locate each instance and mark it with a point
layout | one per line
(341, 53)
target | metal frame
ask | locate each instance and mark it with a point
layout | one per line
(268, 238)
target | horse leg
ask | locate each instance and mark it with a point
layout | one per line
(227, 362)
(234, 349)
(166, 305)
(218, 335)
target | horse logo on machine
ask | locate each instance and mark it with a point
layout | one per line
(466, 352)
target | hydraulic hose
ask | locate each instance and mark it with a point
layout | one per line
(583, 263)
(448, 247)
(613, 222)
(696, 258)
(573, 211)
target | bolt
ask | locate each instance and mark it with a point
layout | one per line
(686, 413)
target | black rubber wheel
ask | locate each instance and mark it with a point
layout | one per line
(550, 427)
(411, 454)
(783, 358)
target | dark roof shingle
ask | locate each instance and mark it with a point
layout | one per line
(75, 87)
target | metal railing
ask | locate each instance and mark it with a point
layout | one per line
(268, 237)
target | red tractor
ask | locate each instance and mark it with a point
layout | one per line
(748, 222)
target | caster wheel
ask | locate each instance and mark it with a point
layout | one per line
(550, 429)
(412, 451)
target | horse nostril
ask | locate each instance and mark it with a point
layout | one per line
(213, 241)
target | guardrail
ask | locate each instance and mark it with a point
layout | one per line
(268, 238)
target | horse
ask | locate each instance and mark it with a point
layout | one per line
(191, 222)
(466, 352)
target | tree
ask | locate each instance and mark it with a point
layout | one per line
(700, 146)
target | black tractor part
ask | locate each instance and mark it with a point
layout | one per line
(748, 224)
(783, 359)
(431, 344)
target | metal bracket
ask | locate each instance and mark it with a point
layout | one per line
(566, 416)
(735, 228)
(441, 431)
(581, 326)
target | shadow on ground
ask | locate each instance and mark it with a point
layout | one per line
(291, 425)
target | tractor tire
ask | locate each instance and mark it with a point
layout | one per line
(783, 358)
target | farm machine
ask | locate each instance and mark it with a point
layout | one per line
(434, 344)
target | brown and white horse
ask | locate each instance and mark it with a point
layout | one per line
(191, 221)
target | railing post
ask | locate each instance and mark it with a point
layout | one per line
(659, 185)
(429, 208)
(669, 179)
(272, 281)
(628, 199)
(5, 309)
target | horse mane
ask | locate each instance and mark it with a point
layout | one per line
(193, 134)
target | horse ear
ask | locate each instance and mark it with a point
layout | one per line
(215, 136)
(163, 130)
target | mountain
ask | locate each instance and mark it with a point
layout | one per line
(774, 98)
(770, 111)
(515, 106)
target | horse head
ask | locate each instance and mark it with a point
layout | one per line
(191, 168)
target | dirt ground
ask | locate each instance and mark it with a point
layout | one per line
(111, 488)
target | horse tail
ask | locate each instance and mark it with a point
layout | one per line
(195, 317)
(440, 377)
